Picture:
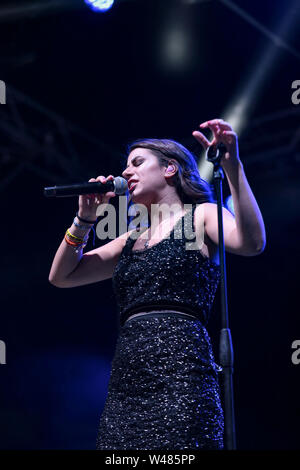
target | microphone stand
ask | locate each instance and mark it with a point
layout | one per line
(214, 155)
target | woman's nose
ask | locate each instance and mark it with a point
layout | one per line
(125, 174)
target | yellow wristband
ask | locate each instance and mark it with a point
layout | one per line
(73, 236)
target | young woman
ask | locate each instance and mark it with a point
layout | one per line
(163, 391)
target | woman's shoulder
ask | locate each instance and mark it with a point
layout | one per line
(126, 236)
(203, 209)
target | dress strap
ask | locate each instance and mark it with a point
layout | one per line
(133, 237)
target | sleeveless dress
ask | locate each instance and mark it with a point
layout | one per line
(163, 392)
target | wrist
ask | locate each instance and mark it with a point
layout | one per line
(77, 225)
(77, 236)
(88, 218)
(233, 167)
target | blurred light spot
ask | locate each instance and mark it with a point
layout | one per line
(176, 48)
(99, 5)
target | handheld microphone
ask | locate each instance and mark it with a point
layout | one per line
(118, 186)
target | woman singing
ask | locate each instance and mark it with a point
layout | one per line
(164, 390)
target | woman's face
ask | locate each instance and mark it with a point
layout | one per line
(148, 177)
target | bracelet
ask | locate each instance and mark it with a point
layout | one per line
(69, 242)
(85, 221)
(76, 246)
(74, 242)
(73, 237)
(81, 226)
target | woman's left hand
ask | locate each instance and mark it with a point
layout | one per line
(224, 133)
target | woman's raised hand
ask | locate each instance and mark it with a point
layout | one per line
(88, 203)
(222, 132)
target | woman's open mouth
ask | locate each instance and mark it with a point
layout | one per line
(132, 187)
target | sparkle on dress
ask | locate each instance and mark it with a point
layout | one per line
(163, 392)
(166, 275)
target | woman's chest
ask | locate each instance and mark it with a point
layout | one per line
(202, 242)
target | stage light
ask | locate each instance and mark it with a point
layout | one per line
(99, 5)
(176, 49)
(249, 91)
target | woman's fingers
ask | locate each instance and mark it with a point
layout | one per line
(104, 197)
(201, 139)
(217, 125)
(222, 132)
(231, 136)
(100, 198)
(215, 121)
(111, 193)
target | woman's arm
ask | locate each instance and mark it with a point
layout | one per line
(250, 228)
(245, 233)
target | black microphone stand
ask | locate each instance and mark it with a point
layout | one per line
(214, 155)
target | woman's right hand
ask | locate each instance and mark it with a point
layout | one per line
(88, 203)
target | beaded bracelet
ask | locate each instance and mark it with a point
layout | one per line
(84, 226)
(77, 246)
(75, 241)
(81, 226)
(72, 243)
(73, 236)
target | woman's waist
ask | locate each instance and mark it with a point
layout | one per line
(147, 310)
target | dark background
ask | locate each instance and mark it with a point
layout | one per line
(80, 87)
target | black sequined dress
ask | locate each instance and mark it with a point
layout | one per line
(163, 392)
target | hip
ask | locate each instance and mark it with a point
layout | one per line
(168, 339)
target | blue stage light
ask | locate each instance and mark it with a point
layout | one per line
(99, 5)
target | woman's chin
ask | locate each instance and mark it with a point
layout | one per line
(134, 195)
(138, 198)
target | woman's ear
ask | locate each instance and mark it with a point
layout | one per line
(171, 169)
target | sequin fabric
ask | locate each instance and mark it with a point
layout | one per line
(163, 392)
(166, 275)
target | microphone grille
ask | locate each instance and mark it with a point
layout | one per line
(121, 185)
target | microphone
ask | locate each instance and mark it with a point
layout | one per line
(118, 185)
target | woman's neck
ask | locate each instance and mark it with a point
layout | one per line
(166, 208)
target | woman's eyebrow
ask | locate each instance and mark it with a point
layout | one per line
(133, 160)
